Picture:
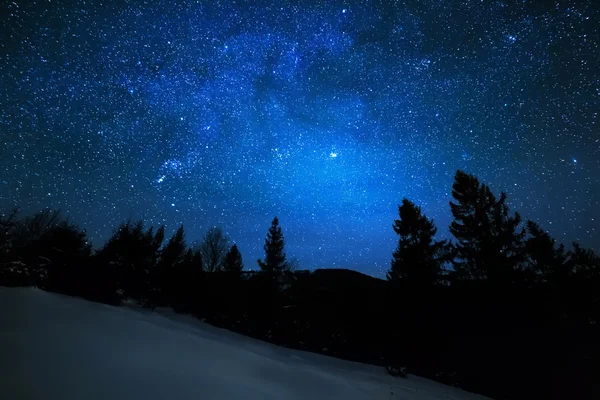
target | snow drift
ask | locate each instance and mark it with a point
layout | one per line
(59, 347)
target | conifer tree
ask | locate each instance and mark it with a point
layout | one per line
(584, 263)
(274, 262)
(419, 258)
(233, 264)
(132, 253)
(164, 275)
(546, 261)
(489, 240)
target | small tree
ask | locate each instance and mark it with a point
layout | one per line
(583, 266)
(213, 249)
(68, 252)
(132, 254)
(28, 230)
(545, 261)
(233, 264)
(275, 259)
(7, 226)
(584, 263)
(419, 258)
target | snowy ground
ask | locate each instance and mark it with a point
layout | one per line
(59, 347)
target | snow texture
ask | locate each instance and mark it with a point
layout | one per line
(60, 347)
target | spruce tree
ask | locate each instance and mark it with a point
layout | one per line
(275, 259)
(174, 251)
(164, 275)
(233, 264)
(584, 263)
(7, 226)
(489, 241)
(546, 261)
(418, 259)
(132, 253)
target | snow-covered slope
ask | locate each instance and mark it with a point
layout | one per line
(59, 347)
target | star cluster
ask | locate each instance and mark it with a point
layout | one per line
(325, 114)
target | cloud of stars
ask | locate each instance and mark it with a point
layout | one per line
(325, 114)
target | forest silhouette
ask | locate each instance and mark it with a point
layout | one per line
(502, 309)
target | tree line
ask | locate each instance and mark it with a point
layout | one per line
(502, 309)
(491, 245)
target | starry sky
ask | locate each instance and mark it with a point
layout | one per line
(325, 114)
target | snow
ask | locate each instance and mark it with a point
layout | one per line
(59, 347)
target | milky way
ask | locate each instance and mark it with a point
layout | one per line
(325, 114)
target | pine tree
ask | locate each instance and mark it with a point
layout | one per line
(419, 258)
(163, 276)
(275, 259)
(584, 263)
(132, 253)
(68, 251)
(490, 243)
(156, 243)
(546, 261)
(174, 251)
(7, 226)
(583, 285)
(233, 264)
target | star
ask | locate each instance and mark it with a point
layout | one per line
(365, 104)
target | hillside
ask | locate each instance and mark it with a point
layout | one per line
(55, 346)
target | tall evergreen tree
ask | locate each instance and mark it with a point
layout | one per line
(184, 287)
(174, 251)
(156, 241)
(164, 275)
(419, 258)
(275, 259)
(489, 240)
(233, 264)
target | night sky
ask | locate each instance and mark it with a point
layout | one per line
(325, 114)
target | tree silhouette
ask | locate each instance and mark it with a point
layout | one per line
(156, 240)
(30, 229)
(213, 249)
(188, 280)
(583, 297)
(7, 226)
(546, 261)
(66, 248)
(132, 254)
(162, 277)
(174, 251)
(275, 259)
(418, 258)
(584, 262)
(233, 264)
(490, 243)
